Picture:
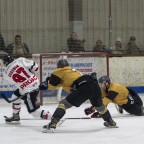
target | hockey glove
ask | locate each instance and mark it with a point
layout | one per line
(89, 110)
(44, 85)
(96, 115)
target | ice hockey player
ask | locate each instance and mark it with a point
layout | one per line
(125, 98)
(80, 88)
(21, 73)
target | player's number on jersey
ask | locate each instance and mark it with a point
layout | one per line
(18, 78)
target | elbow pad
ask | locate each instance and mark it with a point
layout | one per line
(34, 68)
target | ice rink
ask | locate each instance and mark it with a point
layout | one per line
(81, 131)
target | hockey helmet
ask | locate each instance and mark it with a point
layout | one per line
(7, 59)
(104, 79)
(62, 63)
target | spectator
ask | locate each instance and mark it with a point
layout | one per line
(74, 44)
(100, 47)
(118, 47)
(17, 47)
(132, 48)
(2, 45)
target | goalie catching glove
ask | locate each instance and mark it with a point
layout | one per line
(44, 84)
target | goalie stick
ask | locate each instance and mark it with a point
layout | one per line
(10, 101)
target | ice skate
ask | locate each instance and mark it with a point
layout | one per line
(110, 124)
(48, 129)
(51, 126)
(15, 119)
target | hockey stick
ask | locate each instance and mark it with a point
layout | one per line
(60, 120)
(10, 101)
(75, 118)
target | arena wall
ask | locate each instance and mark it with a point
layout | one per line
(127, 71)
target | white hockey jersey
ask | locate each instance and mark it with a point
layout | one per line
(21, 72)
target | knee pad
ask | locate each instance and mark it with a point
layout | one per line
(102, 109)
(64, 104)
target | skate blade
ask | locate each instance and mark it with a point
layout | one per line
(48, 130)
(109, 126)
(112, 126)
(13, 123)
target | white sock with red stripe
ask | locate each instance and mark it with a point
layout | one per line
(41, 114)
(16, 108)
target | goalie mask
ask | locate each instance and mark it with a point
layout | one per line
(62, 63)
(7, 60)
(104, 79)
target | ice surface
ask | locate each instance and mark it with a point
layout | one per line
(82, 131)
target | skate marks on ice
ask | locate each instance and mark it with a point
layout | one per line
(69, 126)
(73, 125)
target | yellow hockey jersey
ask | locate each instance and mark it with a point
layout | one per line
(116, 93)
(63, 77)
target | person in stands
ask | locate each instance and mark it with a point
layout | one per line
(17, 47)
(74, 44)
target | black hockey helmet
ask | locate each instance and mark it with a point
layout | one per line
(7, 59)
(104, 79)
(62, 63)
